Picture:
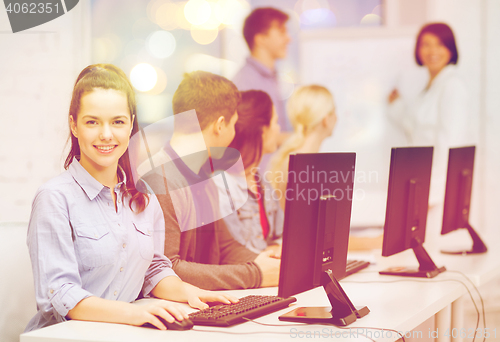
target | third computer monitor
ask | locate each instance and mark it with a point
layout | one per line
(458, 197)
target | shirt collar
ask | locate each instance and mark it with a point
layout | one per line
(89, 184)
(445, 72)
(261, 68)
(186, 172)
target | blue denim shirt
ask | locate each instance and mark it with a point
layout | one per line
(80, 246)
(244, 223)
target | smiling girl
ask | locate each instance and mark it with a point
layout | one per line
(96, 241)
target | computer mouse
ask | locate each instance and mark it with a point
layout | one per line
(185, 324)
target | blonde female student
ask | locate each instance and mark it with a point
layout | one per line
(311, 111)
(95, 241)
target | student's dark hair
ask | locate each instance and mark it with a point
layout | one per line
(210, 95)
(254, 113)
(260, 21)
(445, 34)
(107, 76)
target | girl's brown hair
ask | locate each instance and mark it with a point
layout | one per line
(255, 112)
(107, 76)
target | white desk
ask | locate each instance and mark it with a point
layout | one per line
(479, 268)
(400, 306)
(396, 303)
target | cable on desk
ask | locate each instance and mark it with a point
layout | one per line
(426, 281)
(479, 294)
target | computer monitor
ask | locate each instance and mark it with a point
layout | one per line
(458, 197)
(319, 197)
(407, 206)
(312, 175)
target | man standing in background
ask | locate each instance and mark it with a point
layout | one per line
(267, 38)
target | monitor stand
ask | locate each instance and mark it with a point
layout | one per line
(342, 313)
(478, 245)
(427, 268)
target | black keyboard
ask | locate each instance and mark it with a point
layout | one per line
(354, 266)
(248, 307)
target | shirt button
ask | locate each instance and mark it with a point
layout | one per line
(124, 245)
(116, 292)
(95, 235)
(121, 269)
(51, 291)
(119, 201)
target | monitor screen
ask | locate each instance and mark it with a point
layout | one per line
(407, 198)
(310, 177)
(458, 188)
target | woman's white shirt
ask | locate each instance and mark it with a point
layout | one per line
(439, 116)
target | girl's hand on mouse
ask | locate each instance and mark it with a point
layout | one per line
(150, 313)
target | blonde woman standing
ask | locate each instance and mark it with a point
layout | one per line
(311, 111)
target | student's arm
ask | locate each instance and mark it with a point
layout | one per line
(206, 276)
(232, 251)
(104, 310)
(58, 285)
(161, 281)
(172, 288)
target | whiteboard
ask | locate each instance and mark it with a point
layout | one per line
(361, 72)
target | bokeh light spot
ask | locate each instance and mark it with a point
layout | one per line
(180, 18)
(161, 44)
(165, 16)
(161, 83)
(204, 36)
(197, 12)
(143, 77)
(230, 12)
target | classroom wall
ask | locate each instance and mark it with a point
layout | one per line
(38, 68)
(476, 23)
(491, 108)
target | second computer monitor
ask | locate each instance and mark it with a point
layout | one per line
(407, 206)
(305, 253)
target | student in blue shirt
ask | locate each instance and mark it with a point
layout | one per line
(258, 222)
(95, 240)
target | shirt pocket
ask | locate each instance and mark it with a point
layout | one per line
(95, 245)
(250, 223)
(145, 239)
